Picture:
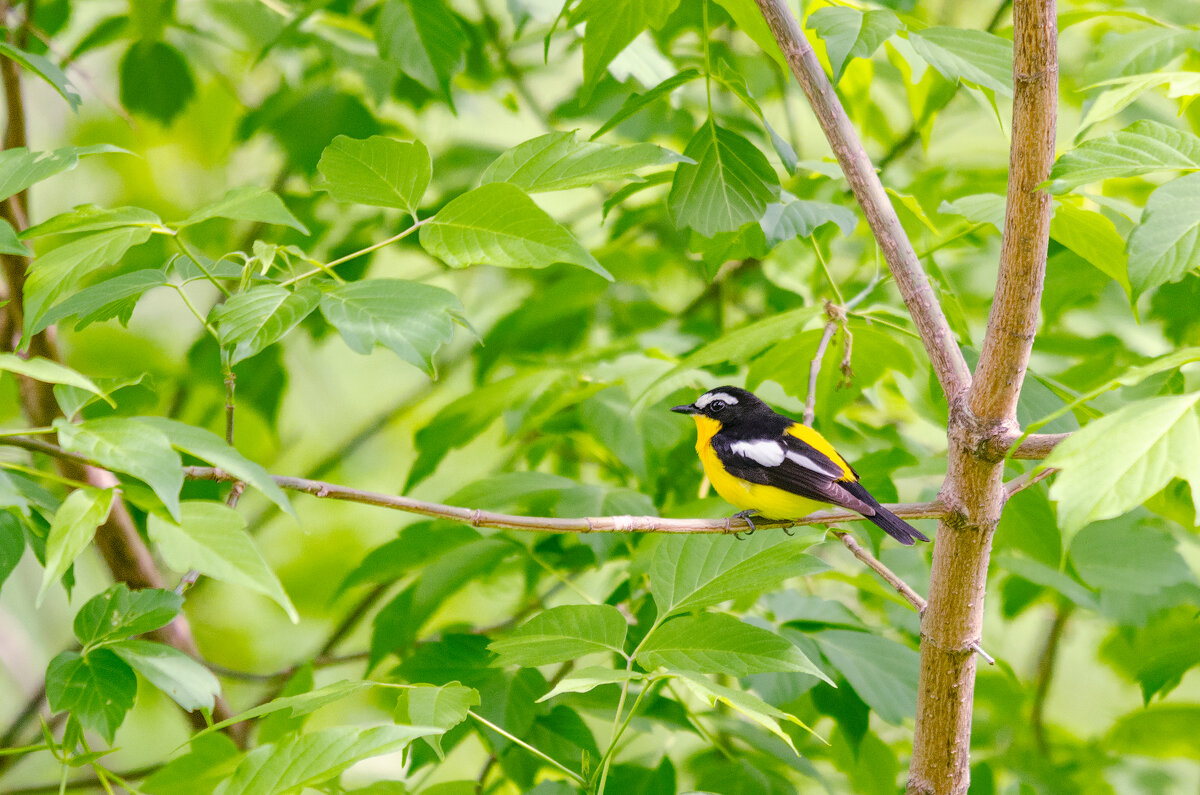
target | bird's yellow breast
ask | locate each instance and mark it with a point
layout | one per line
(768, 501)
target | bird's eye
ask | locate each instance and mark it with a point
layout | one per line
(717, 406)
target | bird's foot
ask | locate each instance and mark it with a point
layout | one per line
(745, 515)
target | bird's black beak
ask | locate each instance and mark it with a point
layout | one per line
(687, 408)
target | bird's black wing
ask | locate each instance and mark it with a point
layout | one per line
(789, 464)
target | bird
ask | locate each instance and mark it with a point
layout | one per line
(773, 467)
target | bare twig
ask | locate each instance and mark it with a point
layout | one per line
(922, 303)
(1045, 672)
(1022, 482)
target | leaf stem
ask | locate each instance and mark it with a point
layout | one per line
(541, 755)
(191, 307)
(825, 267)
(187, 252)
(326, 268)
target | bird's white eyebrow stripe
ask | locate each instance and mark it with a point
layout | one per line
(766, 452)
(709, 397)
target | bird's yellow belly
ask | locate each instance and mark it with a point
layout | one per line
(768, 501)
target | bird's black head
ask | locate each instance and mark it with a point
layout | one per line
(728, 405)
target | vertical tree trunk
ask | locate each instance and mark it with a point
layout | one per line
(973, 492)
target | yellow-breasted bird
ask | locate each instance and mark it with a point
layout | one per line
(774, 467)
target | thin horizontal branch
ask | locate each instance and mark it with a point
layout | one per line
(1019, 484)
(541, 524)
(891, 578)
(1036, 446)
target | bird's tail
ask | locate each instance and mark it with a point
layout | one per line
(884, 519)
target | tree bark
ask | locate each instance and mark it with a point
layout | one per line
(985, 420)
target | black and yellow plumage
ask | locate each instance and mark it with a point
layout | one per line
(775, 467)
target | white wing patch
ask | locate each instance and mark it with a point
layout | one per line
(808, 463)
(709, 397)
(762, 451)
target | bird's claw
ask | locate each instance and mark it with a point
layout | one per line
(787, 531)
(745, 516)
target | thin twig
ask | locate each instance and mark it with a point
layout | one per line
(1022, 482)
(513, 738)
(892, 579)
(1045, 672)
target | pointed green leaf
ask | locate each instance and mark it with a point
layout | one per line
(1093, 237)
(747, 704)
(498, 224)
(972, 56)
(250, 321)
(716, 643)
(562, 633)
(48, 371)
(379, 171)
(187, 682)
(110, 298)
(689, 572)
(121, 613)
(1124, 556)
(248, 204)
(10, 243)
(1157, 439)
(444, 707)
(210, 760)
(635, 102)
(424, 39)
(612, 25)
(212, 539)
(74, 524)
(800, 218)
(309, 759)
(46, 69)
(92, 218)
(128, 446)
(882, 671)
(849, 32)
(411, 319)
(297, 705)
(97, 688)
(1159, 730)
(1141, 148)
(730, 184)
(1165, 246)
(59, 271)
(20, 168)
(587, 679)
(557, 161)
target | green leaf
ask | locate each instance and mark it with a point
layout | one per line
(20, 168)
(250, 321)
(110, 298)
(1126, 90)
(187, 682)
(715, 643)
(209, 447)
(121, 613)
(749, 19)
(1040, 574)
(10, 243)
(749, 705)
(800, 218)
(730, 183)
(498, 224)
(1157, 655)
(315, 757)
(48, 371)
(92, 218)
(612, 25)
(978, 208)
(1141, 148)
(411, 319)
(379, 171)
(558, 161)
(97, 688)
(689, 572)
(424, 39)
(212, 758)
(849, 32)
(156, 80)
(1160, 730)
(212, 539)
(1165, 246)
(74, 524)
(1125, 556)
(972, 56)
(1156, 439)
(248, 203)
(12, 542)
(59, 271)
(587, 679)
(635, 102)
(130, 446)
(297, 705)
(562, 633)
(46, 69)
(882, 672)
(1094, 238)
(444, 707)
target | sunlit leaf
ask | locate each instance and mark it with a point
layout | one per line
(972, 56)
(74, 524)
(849, 32)
(1141, 148)
(715, 643)
(248, 204)
(557, 161)
(44, 68)
(730, 183)
(379, 171)
(187, 682)
(423, 38)
(1165, 246)
(250, 321)
(882, 671)
(121, 613)
(562, 633)
(611, 27)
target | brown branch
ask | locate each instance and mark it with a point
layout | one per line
(904, 589)
(922, 303)
(1036, 446)
(1045, 672)
(1022, 482)
(541, 524)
